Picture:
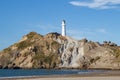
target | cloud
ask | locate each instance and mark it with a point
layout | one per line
(102, 30)
(86, 33)
(43, 28)
(80, 34)
(98, 4)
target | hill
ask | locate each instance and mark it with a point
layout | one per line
(56, 51)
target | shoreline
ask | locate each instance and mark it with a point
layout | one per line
(96, 75)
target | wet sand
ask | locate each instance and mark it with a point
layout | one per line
(77, 78)
(107, 75)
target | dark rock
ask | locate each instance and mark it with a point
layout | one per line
(0, 66)
(16, 67)
(5, 67)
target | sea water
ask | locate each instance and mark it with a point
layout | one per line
(39, 72)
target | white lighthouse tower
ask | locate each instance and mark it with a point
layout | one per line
(63, 28)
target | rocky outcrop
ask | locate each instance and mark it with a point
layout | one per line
(33, 51)
(56, 51)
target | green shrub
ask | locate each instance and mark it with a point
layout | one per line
(39, 57)
(7, 50)
(31, 35)
(24, 44)
(54, 43)
(49, 59)
(94, 59)
(116, 52)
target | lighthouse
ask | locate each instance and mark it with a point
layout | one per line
(63, 28)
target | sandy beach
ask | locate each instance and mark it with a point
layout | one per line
(77, 78)
(108, 75)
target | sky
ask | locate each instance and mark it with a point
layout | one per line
(96, 20)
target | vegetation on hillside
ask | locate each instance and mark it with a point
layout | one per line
(24, 44)
(7, 50)
(45, 61)
(116, 52)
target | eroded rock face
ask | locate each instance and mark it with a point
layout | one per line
(56, 51)
(72, 51)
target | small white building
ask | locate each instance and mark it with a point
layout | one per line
(63, 28)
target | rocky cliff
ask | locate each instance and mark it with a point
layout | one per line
(56, 51)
